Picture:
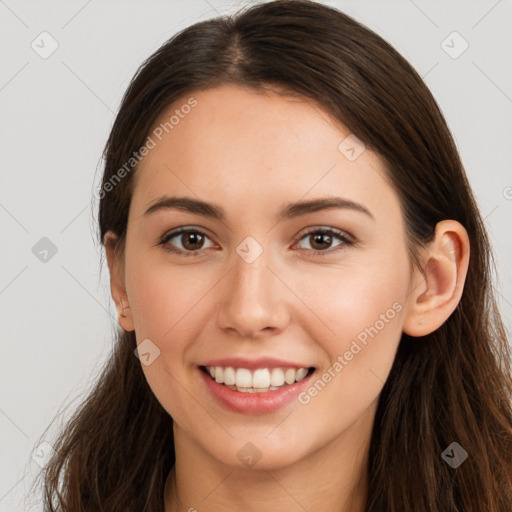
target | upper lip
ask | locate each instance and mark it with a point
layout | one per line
(254, 364)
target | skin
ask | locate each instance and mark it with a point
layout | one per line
(252, 153)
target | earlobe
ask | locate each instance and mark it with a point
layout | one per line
(117, 285)
(436, 292)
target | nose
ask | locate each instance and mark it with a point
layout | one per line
(254, 301)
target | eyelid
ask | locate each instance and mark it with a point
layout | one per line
(181, 229)
(340, 232)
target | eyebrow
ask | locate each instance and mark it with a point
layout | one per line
(290, 211)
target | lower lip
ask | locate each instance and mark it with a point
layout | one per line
(254, 403)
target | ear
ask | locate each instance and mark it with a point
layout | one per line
(437, 289)
(115, 258)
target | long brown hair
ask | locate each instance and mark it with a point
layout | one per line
(452, 385)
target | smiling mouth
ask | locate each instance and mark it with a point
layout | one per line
(260, 380)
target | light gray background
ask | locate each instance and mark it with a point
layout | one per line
(57, 317)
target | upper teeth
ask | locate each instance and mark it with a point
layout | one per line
(261, 378)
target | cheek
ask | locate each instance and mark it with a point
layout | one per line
(360, 328)
(163, 296)
(166, 307)
(346, 302)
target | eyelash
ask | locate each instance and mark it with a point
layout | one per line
(324, 231)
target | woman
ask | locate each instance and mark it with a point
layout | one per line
(302, 279)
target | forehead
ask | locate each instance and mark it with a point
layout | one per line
(257, 148)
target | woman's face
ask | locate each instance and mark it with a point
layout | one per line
(262, 287)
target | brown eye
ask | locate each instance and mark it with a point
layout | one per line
(191, 241)
(320, 240)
